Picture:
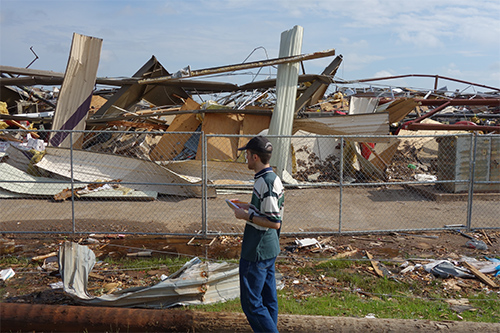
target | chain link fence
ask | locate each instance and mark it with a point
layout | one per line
(176, 183)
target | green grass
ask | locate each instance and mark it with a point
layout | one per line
(383, 297)
(355, 291)
(347, 304)
(145, 263)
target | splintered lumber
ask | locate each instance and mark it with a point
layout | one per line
(480, 275)
(310, 96)
(21, 126)
(374, 264)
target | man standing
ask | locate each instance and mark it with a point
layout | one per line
(260, 247)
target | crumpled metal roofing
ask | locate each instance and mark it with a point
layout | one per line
(196, 282)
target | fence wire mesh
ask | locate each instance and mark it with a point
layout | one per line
(144, 182)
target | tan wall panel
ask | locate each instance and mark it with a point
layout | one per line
(220, 148)
(171, 145)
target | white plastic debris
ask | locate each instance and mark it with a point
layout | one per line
(422, 177)
(6, 274)
(307, 242)
(57, 285)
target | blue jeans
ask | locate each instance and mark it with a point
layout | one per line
(259, 299)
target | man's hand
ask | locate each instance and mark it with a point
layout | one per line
(259, 220)
(241, 213)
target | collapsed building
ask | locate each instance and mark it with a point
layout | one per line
(153, 120)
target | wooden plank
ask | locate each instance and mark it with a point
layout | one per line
(480, 275)
(383, 153)
(170, 145)
(374, 264)
(45, 256)
(135, 124)
(315, 91)
(399, 109)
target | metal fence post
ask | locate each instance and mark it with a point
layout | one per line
(472, 167)
(341, 181)
(73, 220)
(204, 182)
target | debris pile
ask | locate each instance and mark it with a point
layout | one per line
(149, 116)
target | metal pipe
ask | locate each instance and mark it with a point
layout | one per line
(248, 65)
(472, 169)
(341, 182)
(204, 192)
(459, 101)
(428, 114)
(444, 127)
(418, 75)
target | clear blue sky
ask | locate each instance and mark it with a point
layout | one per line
(455, 38)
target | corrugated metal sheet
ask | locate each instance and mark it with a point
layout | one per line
(142, 175)
(196, 282)
(286, 95)
(454, 162)
(17, 183)
(76, 91)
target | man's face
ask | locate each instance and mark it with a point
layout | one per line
(251, 159)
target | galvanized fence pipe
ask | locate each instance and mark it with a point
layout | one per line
(472, 168)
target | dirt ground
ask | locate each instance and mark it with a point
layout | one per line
(31, 284)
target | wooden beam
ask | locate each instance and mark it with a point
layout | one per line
(480, 275)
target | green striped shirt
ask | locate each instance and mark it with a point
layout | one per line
(261, 243)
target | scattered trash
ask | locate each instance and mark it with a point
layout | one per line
(307, 242)
(445, 269)
(480, 275)
(425, 178)
(140, 254)
(57, 285)
(476, 244)
(491, 266)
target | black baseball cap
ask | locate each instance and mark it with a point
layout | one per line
(259, 144)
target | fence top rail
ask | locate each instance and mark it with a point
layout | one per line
(318, 136)
(312, 135)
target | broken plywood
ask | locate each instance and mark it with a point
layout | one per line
(172, 145)
(398, 109)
